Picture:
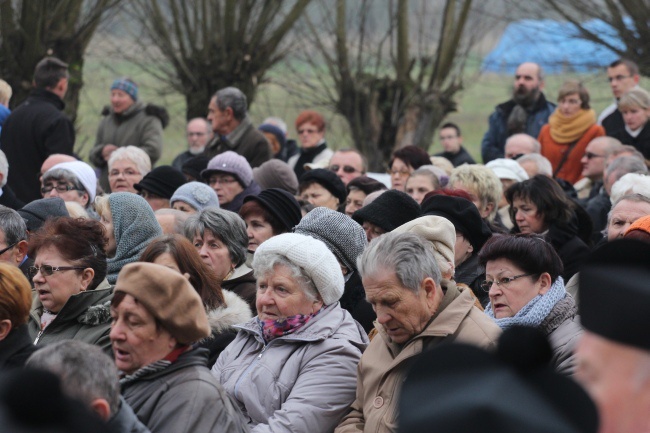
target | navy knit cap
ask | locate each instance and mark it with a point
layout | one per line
(328, 180)
(277, 132)
(162, 181)
(280, 204)
(127, 86)
(389, 211)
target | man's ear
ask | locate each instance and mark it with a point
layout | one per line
(101, 407)
(21, 252)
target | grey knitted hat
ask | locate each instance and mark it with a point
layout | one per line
(276, 174)
(196, 194)
(35, 213)
(230, 162)
(342, 235)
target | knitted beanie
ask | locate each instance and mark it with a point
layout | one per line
(642, 224)
(134, 226)
(194, 166)
(280, 204)
(169, 297)
(277, 132)
(84, 173)
(37, 212)
(230, 162)
(507, 169)
(276, 174)
(344, 237)
(196, 194)
(312, 256)
(328, 180)
(162, 181)
(389, 211)
(441, 236)
(127, 86)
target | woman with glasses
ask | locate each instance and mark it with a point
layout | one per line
(231, 177)
(310, 127)
(72, 181)
(404, 162)
(71, 292)
(126, 167)
(524, 283)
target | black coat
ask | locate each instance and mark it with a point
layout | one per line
(9, 199)
(354, 301)
(16, 348)
(36, 129)
(460, 158)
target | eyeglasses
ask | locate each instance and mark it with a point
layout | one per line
(618, 78)
(125, 173)
(590, 155)
(8, 248)
(307, 131)
(346, 168)
(487, 284)
(400, 173)
(59, 188)
(47, 270)
(515, 156)
(221, 180)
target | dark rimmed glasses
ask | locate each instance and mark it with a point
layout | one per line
(4, 250)
(487, 284)
(346, 168)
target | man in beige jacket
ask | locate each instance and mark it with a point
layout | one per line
(414, 313)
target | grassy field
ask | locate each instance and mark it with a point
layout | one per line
(476, 103)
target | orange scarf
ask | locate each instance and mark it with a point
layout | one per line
(569, 129)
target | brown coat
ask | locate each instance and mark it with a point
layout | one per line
(383, 365)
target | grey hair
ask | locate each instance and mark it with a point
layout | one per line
(86, 372)
(235, 99)
(12, 225)
(541, 162)
(630, 183)
(265, 264)
(134, 154)
(636, 198)
(276, 121)
(4, 168)
(407, 254)
(65, 175)
(626, 149)
(180, 218)
(625, 164)
(225, 225)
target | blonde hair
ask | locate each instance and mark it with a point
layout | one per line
(481, 182)
(76, 210)
(443, 163)
(102, 205)
(635, 98)
(5, 92)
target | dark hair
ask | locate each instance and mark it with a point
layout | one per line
(313, 117)
(631, 66)
(366, 184)
(451, 192)
(529, 252)
(254, 207)
(453, 126)
(411, 155)
(49, 72)
(202, 276)
(571, 87)
(78, 240)
(549, 198)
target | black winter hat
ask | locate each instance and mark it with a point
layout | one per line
(162, 181)
(515, 390)
(615, 292)
(281, 204)
(37, 212)
(328, 179)
(194, 166)
(463, 214)
(389, 211)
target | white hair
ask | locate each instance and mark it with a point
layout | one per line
(4, 168)
(134, 154)
(631, 183)
(541, 162)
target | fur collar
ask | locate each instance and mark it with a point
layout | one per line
(236, 311)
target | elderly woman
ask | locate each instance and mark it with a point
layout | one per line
(539, 206)
(156, 318)
(130, 225)
(193, 197)
(68, 276)
(322, 187)
(310, 127)
(404, 162)
(625, 211)
(126, 167)
(523, 280)
(72, 181)
(224, 308)
(231, 177)
(221, 240)
(294, 366)
(274, 211)
(15, 302)
(357, 191)
(420, 182)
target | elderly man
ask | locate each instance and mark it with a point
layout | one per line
(526, 112)
(613, 353)
(228, 114)
(199, 133)
(519, 145)
(623, 76)
(348, 164)
(13, 239)
(403, 283)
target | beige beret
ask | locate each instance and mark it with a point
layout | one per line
(440, 233)
(169, 297)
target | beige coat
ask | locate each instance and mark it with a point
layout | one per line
(383, 365)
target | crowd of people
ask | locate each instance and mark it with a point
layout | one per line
(259, 284)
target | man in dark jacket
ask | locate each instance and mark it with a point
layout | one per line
(526, 112)
(452, 141)
(38, 128)
(228, 113)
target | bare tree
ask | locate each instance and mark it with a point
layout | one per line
(31, 30)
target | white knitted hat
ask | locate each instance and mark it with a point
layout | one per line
(84, 173)
(313, 256)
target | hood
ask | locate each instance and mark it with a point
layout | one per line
(235, 311)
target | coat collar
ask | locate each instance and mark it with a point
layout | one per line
(235, 311)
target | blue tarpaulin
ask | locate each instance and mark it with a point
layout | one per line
(554, 45)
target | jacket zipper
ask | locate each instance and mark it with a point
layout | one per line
(241, 378)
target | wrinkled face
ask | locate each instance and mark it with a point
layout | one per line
(527, 218)
(399, 173)
(226, 186)
(373, 231)
(107, 220)
(635, 117)
(616, 378)
(279, 296)
(620, 80)
(517, 146)
(309, 135)
(66, 193)
(346, 165)
(136, 340)
(55, 290)
(527, 82)
(508, 298)
(198, 136)
(120, 101)
(155, 201)
(167, 260)
(569, 106)
(318, 195)
(450, 140)
(402, 313)
(354, 201)
(462, 249)
(183, 207)
(623, 215)
(214, 253)
(258, 230)
(593, 161)
(122, 175)
(218, 119)
(11, 254)
(418, 186)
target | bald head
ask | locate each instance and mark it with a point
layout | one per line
(55, 159)
(521, 144)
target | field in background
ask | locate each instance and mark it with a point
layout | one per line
(476, 103)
